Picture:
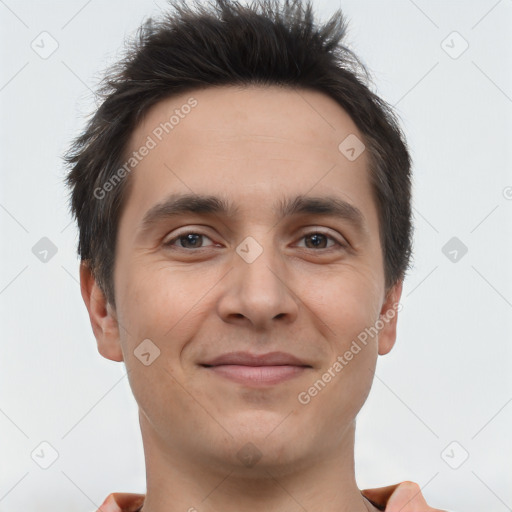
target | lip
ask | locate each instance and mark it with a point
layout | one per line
(257, 369)
(248, 359)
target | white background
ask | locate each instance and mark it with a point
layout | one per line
(448, 377)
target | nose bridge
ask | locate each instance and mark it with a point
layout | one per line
(259, 268)
(258, 288)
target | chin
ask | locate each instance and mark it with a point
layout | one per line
(264, 440)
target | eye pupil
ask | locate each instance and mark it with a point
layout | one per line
(317, 239)
(190, 238)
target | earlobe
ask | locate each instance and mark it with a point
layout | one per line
(101, 314)
(389, 318)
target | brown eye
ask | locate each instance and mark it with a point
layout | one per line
(318, 240)
(189, 240)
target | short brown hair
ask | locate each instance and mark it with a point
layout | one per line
(225, 43)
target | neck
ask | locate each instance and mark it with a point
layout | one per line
(322, 483)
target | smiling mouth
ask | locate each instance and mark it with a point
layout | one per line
(257, 375)
(253, 369)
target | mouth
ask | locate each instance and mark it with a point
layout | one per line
(257, 369)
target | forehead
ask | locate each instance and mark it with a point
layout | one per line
(264, 114)
(248, 142)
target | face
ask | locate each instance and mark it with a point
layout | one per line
(252, 293)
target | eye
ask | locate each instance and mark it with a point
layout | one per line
(188, 240)
(194, 240)
(318, 240)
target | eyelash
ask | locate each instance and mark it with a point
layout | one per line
(170, 243)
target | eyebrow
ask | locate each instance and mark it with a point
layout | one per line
(181, 204)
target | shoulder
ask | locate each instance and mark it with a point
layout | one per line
(122, 502)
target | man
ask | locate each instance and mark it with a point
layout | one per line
(243, 203)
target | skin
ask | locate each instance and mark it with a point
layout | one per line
(403, 497)
(253, 146)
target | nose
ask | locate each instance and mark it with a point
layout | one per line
(259, 292)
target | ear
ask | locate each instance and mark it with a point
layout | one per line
(389, 317)
(102, 315)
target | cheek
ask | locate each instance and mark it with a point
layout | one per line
(165, 305)
(162, 306)
(339, 389)
(347, 309)
(346, 301)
